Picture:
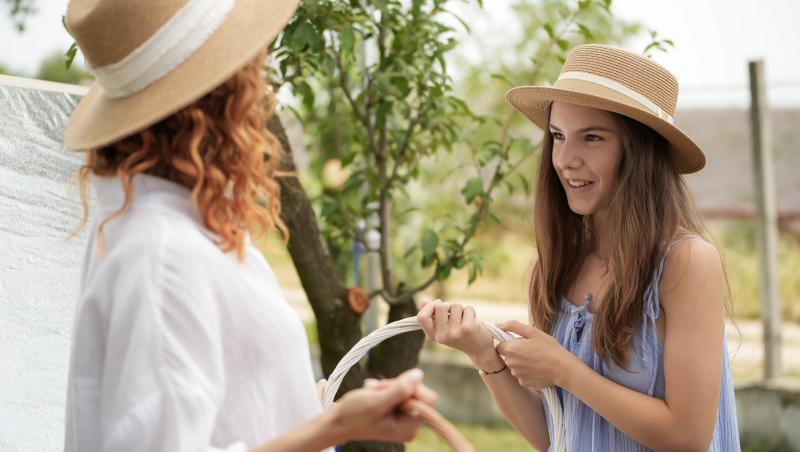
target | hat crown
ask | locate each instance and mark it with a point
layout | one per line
(634, 71)
(108, 30)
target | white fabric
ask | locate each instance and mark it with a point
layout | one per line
(177, 346)
(169, 46)
(618, 87)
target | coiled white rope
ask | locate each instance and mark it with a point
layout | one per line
(552, 403)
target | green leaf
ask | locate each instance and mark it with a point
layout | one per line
(585, 32)
(549, 29)
(347, 40)
(525, 185)
(64, 24)
(584, 4)
(384, 109)
(473, 274)
(70, 55)
(503, 79)
(473, 188)
(428, 243)
(486, 155)
(303, 36)
(563, 44)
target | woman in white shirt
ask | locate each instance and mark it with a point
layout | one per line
(183, 340)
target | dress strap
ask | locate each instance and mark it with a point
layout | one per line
(652, 303)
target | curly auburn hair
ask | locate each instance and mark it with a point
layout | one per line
(219, 144)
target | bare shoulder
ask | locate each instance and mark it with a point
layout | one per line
(692, 266)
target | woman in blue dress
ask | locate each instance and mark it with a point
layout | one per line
(627, 296)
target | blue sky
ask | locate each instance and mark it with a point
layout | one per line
(714, 40)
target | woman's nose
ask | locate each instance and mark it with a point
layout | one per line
(564, 156)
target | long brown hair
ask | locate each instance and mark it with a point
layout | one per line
(218, 143)
(650, 204)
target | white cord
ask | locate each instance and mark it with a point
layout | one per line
(552, 403)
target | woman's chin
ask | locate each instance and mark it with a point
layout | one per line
(581, 208)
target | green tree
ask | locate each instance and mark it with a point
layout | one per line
(375, 94)
(544, 32)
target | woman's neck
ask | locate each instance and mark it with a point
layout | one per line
(600, 241)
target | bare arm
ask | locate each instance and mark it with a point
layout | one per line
(522, 407)
(692, 295)
(456, 326)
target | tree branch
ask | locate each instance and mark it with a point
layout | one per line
(406, 141)
(415, 290)
(346, 90)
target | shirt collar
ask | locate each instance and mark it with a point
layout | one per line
(149, 193)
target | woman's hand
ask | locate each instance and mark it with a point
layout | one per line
(456, 326)
(537, 360)
(371, 413)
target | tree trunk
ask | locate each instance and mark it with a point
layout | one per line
(338, 326)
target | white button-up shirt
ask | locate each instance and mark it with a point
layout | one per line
(178, 346)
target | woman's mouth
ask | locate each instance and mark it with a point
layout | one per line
(578, 185)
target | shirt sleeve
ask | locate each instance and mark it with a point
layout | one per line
(163, 375)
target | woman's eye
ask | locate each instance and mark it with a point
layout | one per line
(557, 135)
(593, 138)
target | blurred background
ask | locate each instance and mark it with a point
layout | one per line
(459, 203)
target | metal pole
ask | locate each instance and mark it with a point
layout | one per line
(766, 221)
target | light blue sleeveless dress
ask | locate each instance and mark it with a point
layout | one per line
(588, 431)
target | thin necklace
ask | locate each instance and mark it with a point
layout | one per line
(603, 264)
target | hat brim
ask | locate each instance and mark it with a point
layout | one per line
(534, 102)
(248, 28)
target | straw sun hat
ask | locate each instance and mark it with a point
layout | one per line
(619, 81)
(151, 58)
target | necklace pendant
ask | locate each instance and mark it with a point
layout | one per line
(604, 268)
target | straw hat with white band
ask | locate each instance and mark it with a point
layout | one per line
(151, 58)
(619, 81)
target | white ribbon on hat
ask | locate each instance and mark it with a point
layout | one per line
(168, 47)
(619, 88)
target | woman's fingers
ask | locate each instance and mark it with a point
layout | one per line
(454, 320)
(424, 303)
(441, 313)
(425, 319)
(469, 315)
(426, 395)
(422, 392)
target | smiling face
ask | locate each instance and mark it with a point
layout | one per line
(587, 151)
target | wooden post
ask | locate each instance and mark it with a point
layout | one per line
(766, 221)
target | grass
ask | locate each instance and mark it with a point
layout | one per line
(499, 438)
(483, 438)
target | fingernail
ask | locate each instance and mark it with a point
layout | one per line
(370, 383)
(414, 375)
(414, 413)
(500, 325)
